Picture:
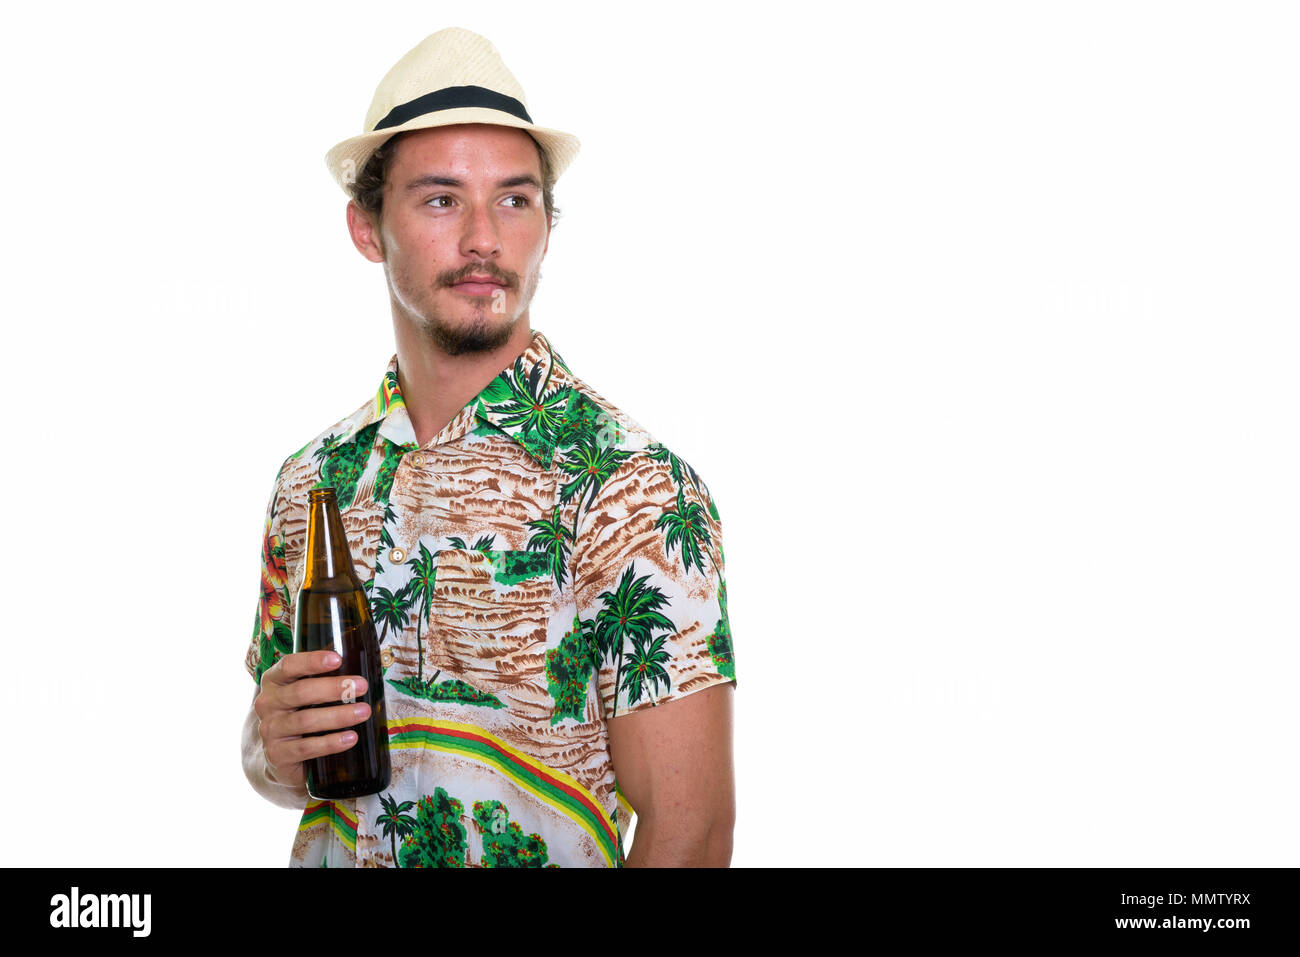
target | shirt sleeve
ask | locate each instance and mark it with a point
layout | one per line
(650, 584)
(272, 628)
(258, 771)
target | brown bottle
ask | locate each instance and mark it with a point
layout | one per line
(333, 613)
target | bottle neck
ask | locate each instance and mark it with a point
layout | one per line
(328, 560)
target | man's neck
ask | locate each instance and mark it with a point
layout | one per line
(436, 386)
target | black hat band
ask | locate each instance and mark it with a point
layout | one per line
(452, 98)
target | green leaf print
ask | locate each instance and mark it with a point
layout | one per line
(395, 822)
(389, 609)
(482, 544)
(719, 643)
(568, 671)
(504, 841)
(451, 690)
(424, 574)
(645, 669)
(629, 612)
(273, 648)
(385, 536)
(527, 406)
(513, 567)
(387, 471)
(553, 537)
(679, 468)
(343, 464)
(687, 527)
(495, 392)
(438, 838)
(590, 464)
(580, 423)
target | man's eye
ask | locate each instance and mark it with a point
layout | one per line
(434, 201)
(523, 200)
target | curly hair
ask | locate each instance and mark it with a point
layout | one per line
(368, 188)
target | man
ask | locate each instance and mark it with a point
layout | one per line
(547, 579)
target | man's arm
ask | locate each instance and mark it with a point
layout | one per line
(674, 766)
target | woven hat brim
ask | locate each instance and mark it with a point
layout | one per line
(345, 159)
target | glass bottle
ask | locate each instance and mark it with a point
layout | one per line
(333, 613)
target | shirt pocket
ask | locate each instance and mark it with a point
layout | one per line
(489, 619)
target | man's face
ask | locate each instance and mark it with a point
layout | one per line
(463, 202)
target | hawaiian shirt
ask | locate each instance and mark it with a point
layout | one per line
(539, 567)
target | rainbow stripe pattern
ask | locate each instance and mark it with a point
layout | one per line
(552, 787)
(333, 815)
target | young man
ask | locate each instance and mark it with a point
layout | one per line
(547, 579)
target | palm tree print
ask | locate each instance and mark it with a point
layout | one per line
(385, 537)
(527, 405)
(424, 572)
(629, 613)
(327, 446)
(483, 544)
(659, 452)
(687, 526)
(646, 666)
(553, 537)
(681, 470)
(591, 465)
(390, 609)
(395, 821)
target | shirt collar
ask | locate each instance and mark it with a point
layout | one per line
(527, 401)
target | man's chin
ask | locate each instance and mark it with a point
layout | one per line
(474, 336)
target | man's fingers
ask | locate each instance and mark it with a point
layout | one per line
(293, 731)
(285, 725)
(309, 691)
(291, 751)
(316, 720)
(300, 664)
(276, 698)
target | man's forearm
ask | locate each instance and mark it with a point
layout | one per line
(680, 844)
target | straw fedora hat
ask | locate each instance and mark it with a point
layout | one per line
(452, 76)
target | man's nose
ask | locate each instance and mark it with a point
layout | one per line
(482, 237)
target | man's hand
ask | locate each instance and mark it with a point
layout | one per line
(283, 708)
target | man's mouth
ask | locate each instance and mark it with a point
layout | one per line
(479, 285)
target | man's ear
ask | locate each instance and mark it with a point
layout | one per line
(365, 233)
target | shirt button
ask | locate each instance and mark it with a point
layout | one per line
(417, 459)
(397, 556)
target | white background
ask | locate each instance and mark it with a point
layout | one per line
(979, 320)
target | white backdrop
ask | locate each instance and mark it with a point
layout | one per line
(979, 320)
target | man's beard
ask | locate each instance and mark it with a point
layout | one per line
(481, 335)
